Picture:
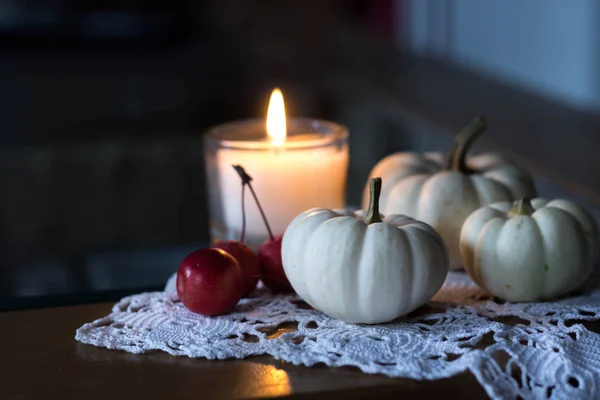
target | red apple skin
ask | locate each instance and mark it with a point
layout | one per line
(247, 259)
(272, 273)
(210, 282)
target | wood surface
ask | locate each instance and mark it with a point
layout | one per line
(40, 359)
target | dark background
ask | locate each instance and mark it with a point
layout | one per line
(104, 104)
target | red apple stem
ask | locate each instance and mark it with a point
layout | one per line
(246, 179)
(243, 234)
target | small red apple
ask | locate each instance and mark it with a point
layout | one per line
(272, 273)
(210, 282)
(246, 258)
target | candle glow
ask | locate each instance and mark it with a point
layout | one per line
(295, 164)
(276, 123)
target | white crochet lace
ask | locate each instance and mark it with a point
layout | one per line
(534, 350)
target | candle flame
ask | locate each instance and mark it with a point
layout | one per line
(276, 123)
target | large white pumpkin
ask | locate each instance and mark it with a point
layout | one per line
(363, 269)
(529, 250)
(443, 192)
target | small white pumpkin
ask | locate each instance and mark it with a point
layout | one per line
(443, 195)
(530, 250)
(363, 270)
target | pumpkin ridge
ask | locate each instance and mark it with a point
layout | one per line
(355, 225)
(478, 244)
(410, 256)
(541, 290)
(579, 231)
(361, 251)
(474, 189)
(388, 189)
(542, 240)
(501, 184)
(504, 188)
(406, 222)
(585, 219)
(513, 175)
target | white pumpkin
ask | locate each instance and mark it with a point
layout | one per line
(443, 195)
(363, 270)
(529, 250)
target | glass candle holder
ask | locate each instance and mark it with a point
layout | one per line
(308, 170)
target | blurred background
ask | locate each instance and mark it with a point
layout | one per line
(104, 104)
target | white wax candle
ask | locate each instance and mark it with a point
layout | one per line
(287, 182)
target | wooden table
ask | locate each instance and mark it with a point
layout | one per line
(40, 359)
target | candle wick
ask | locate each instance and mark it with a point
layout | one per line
(246, 181)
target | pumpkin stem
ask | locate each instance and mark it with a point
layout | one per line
(462, 142)
(521, 207)
(246, 179)
(373, 211)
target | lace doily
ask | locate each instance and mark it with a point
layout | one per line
(533, 350)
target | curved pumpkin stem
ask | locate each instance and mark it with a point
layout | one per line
(373, 215)
(462, 142)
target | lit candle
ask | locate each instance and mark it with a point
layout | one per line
(298, 164)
